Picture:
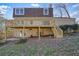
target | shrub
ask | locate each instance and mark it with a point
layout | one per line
(64, 27)
(71, 27)
(2, 41)
(75, 26)
(22, 40)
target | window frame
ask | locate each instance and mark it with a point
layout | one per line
(44, 12)
(19, 10)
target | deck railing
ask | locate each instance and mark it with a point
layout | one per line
(21, 23)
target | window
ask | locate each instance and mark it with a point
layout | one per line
(19, 11)
(45, 11)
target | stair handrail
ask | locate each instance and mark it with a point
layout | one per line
(57, 27)
(60, 30)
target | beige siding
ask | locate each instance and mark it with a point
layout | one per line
(31, 32)
(64, 21)
(46, 31)
(25, 33)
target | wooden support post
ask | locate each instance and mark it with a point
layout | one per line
(50, 22)
(5, 35)
(23, 30)
(5, 30)
(39, 33)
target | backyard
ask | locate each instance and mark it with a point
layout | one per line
(46, 46)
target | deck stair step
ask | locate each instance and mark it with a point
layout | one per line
(58, 33)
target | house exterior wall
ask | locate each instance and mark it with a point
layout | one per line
(27, 32)
(31, 32)
(46, 31)
(34, 12)
(64, 21)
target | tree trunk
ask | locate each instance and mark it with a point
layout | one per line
(67, 12)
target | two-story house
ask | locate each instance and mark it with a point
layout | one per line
(36, 22)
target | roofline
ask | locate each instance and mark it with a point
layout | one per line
(28, 7)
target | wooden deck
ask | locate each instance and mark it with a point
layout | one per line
(39, 23)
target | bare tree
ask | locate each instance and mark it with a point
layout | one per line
(61, 13)
(64, 7)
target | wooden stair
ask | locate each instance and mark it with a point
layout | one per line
(58, 33)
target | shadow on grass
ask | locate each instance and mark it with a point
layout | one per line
(21, 40)
(3, 43)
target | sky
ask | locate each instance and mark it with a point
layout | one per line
(7, 9)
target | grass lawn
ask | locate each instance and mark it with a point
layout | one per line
(68, 46)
